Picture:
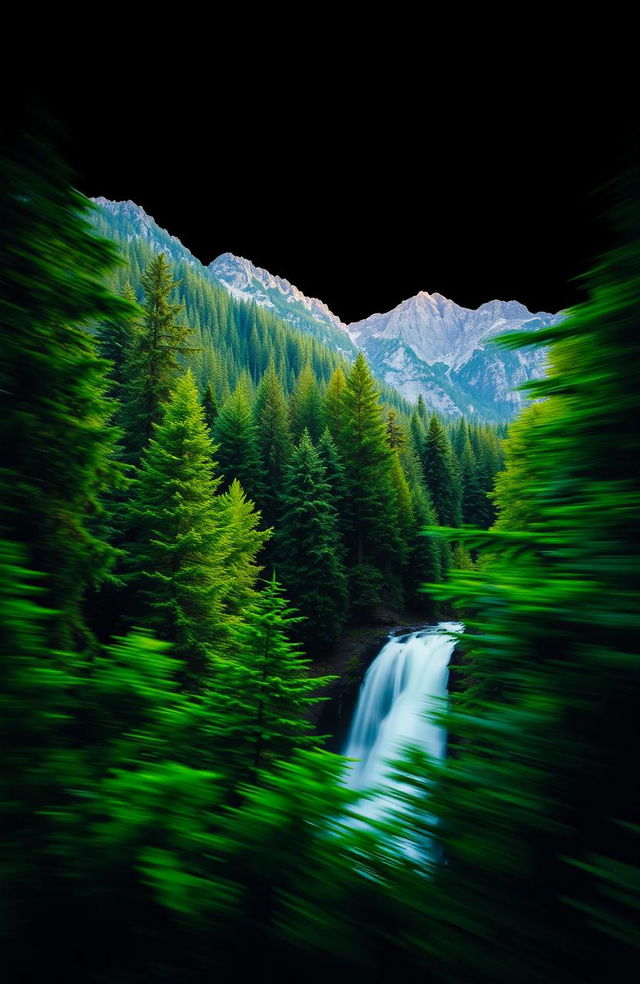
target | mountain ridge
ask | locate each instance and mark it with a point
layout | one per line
(427, 344)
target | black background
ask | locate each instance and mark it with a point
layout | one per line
(365, 194)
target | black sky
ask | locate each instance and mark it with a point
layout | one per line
(365, 198)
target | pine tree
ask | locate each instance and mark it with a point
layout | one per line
(475, 510)
(263, 690)
(395, 433)
(306, 410)
(54, 420)
(236, 437)
(210, 407)
(406, 517)
(441, 475)
(421, 410)
(417, 434)
(333, 404)
(368, 462)
(308, 549)
(336, 479)
(177, 560)
(116, 339)
(274, 440)
(242, 542)
(154, 363)
(428, 556)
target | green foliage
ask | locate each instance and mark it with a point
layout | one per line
(515, 506)
(336, 479)
(153, 364)
(306, 408)
(537, 813)
(210, 407)
(274, 440)
(475, 510)
(368, 463)
(395, 433)
(39, 763)
(177, 560)
(441, 475)
(308, 549)
(57, 445)
(242, 543)
(236, 437)
(262, 688)
(333, 404)
(117, 340)
(366, 587)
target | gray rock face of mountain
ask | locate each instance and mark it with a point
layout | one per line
(426, 345)
(129, 221)
(251, 283)
(431, 345)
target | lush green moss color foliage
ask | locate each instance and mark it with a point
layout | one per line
(169, 814)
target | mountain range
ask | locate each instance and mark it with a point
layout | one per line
(426, 345)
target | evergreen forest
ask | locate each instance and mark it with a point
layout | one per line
(199, 505)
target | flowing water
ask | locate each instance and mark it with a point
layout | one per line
(407, 680)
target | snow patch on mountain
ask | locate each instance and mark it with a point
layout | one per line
(426, 345)
(252, 283)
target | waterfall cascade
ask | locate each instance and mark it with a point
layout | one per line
(407, 679)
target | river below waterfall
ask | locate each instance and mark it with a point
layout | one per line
(407, 680)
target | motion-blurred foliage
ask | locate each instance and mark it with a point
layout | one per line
(136, 846)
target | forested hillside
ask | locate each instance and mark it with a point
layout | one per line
(195, 501)
(343, 476)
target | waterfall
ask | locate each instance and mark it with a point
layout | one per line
(407, 679)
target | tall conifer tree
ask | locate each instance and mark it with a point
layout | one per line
(236, 437)
(309, 549)
(177, 560)
(210, 407)
(274, 440)
(263, 688)
(242, 542)
(306, 406)
(333, 404)
(336, 479)
(441, 475)
(368, 461)
(154, 363)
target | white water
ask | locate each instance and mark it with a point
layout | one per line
(407, 680)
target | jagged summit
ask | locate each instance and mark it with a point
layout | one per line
(244, 277)
(428, 344)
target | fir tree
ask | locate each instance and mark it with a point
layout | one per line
(395, 433)
(333, 404)
(309, 550)
(236, 437)
(306, 406)
(274, 440)
(417, 434)
(475, 509)
(209, 407)
(154, 363)
(336, 479)
(441, 475)
(177, 560)
(116, 340)
(242, 542)
(368, 461)
(263, 689)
